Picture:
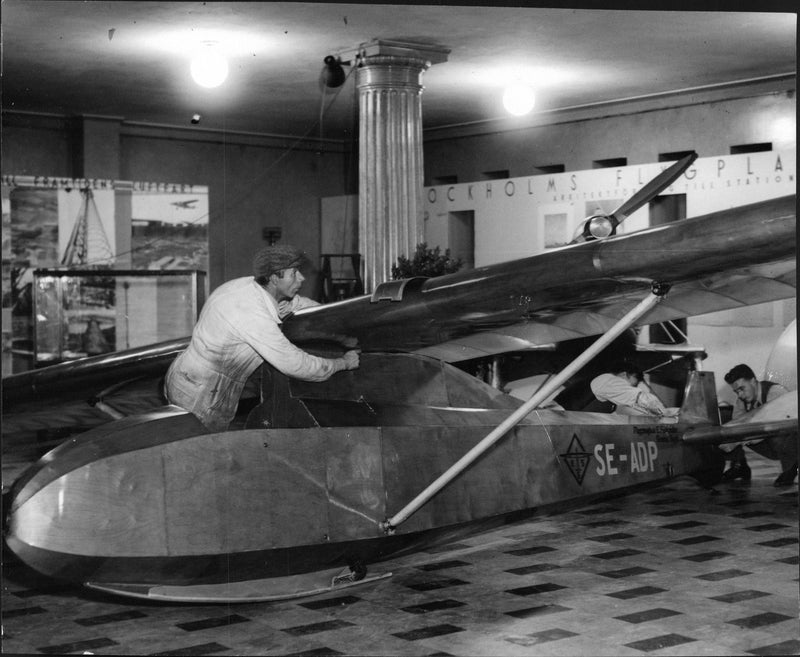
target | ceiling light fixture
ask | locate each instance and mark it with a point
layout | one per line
(209, 67)
(784, 130)
(519, 99)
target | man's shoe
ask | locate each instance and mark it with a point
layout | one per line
(786, 478)
(738, 470)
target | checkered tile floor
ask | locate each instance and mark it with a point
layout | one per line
(673, 571)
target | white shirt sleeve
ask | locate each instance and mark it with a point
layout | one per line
(260, 329)
(609, 387)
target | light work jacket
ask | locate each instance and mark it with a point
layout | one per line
(629, 400)
(238, 329)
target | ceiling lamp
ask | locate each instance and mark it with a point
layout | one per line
(209, 68)
(784, 130)
(519, 99)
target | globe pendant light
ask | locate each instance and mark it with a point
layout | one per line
(209, 68)
(519, 99)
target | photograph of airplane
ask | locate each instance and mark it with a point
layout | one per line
(188, 205)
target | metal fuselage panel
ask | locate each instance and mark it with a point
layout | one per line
(260, 503)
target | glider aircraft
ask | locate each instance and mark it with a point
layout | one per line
(318, 481)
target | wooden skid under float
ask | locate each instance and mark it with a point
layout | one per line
(153, 503)
(258, 590)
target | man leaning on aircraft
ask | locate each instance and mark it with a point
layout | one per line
(750, 394)
(620, 386)
(238, 329)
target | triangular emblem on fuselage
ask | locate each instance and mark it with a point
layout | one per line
(576, 458)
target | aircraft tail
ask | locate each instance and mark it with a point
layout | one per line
(782, 362)
(775, 419)
(700, 399)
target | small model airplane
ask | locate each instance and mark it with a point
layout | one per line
(320, 480)
(185, 205)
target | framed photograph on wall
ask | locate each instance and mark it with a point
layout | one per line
(90, 224)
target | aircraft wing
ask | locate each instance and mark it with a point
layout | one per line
(727, 259)
(71, 397)
(84, 378)
(752, 431)
(777, 418)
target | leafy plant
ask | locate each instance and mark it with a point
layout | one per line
(425, 262)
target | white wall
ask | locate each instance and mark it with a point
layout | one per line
(510, 214)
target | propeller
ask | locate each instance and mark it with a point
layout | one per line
(600, 226)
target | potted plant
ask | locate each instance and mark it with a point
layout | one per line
(425, 262)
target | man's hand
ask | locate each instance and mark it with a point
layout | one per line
(350, 359)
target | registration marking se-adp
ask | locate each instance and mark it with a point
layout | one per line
(641, 457)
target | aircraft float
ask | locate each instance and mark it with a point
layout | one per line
(319, 481)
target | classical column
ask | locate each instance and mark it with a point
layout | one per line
(389, 80)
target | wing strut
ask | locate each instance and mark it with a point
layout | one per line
(657, 293)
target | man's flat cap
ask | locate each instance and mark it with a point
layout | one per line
(275, 258)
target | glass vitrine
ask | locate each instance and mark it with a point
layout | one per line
(81, 313)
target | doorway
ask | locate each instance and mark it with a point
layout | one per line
(461, 237)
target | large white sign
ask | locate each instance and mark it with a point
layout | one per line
(518, 217)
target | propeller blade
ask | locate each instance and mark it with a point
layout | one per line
(608, 223)
(652, 189)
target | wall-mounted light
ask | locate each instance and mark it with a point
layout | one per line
(209, 67)
(519, 99)
(333, 74)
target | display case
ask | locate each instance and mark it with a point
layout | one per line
(81, 313)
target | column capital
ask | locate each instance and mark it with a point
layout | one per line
(428, 53)
(390, 72)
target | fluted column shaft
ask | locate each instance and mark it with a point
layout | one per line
(390, 162)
